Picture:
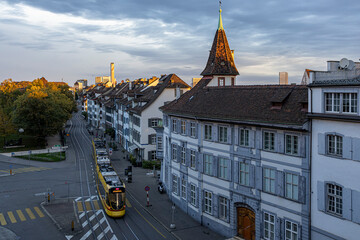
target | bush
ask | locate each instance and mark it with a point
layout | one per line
(151, 164)
(132, 160)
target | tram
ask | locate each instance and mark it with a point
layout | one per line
(110, 187)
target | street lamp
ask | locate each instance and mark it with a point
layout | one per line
(21, 130)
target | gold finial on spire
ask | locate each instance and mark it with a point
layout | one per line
(220, 18)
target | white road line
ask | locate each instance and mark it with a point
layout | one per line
(85, 223)
(77, 199)
(114, 238)
(81, 215)
(86, 235)
(104, 232)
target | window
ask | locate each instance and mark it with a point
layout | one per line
(183, 127)
(291, 230)
(175, 184)
(208, 202)
(183, 188)
(183, 155)
(174, 125)
(193, 194)
(244, 137)
(334, 144)
(349, 104)
(152, 139)
(154, 122)
(221, 81)
(193, 129)
(223, 208)
(269, 226)
(159, 143)
(292, 186)
(207, 164)
(208, 132)
(269, 141)
(232, 81)
(269, 180)
(223, 134)
(174, 152)
(244, 175)
(334, 199)
(291, 144)
(341, 102)
(192, 158)
(223, 168)
(153, 155)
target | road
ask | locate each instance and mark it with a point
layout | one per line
(22, 193)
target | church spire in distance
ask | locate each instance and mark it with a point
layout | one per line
(220, 61)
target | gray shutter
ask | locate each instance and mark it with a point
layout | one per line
(278, 228)
(228, 168)
(280, 142)
(179, 186)
(197, 197)
(196, 130)
(149, 139)
(356, 206)
(356, 148)
(279, 183)
(262, 224)
(347, 203)
(187, 157)
(178, 153)
(149, 155)
(188, 192)
(149, 122)
(252, 138)
(178, 126)
(321, 196)
(252, 175)
(258, 178)
(229, 135)
(302, 146)
(282, 229)
(236, 136)
(215, 161)
(215, 205)
(196, 160)
(188, 130)
(321, 143)
(200, 162)
(347, 147)
(236, 171)
(302, 189)
(214, 129)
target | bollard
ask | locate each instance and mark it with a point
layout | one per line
(48, 197)
(10, 171)
(172, 225)
(72, 225)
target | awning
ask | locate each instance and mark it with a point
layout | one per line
(133, 147)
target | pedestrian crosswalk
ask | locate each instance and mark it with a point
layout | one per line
(24, 170)
(20, 215)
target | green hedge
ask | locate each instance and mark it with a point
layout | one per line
(151, 164)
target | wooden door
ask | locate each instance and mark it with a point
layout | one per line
(245, 223)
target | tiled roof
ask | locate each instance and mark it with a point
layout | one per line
(338, 82)
(252, 103)
(220, 60)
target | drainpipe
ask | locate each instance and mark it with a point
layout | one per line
(310, 168)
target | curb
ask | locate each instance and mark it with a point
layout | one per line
(51, 217)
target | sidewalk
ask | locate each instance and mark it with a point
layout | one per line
(186, 227)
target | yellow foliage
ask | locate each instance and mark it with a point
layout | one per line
(36, 92)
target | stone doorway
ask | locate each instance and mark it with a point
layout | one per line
(245, 223)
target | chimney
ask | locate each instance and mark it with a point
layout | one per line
(283, 78)
(177, 92)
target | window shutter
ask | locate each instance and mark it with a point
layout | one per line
(251, 138)
(302, 146)
(280, 143)
(179, 185)
(347, 147)
(228, 168)
(282, 229)
(236, 171)
(321, 144)
(252, 175)
(214, 136)
(178, 126)
(188, 130)
(196, 130)
(197, 197)
(149, 122)
(347, 203)
(262, 224)
(149, 155)
(178, 157)
(149, 139)
(214, 165)
(236, 136)
(278, 228)
(302, 189)
(187, 157)
(196, 160)
(215, 205)
(229, 134)
(280, 183)
(258, 178)
(356, 148)
(200, 162)
(321, 196)
(356, 206)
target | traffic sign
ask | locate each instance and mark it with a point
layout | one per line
(147, 188)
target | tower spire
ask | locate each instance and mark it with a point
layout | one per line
(220, 18)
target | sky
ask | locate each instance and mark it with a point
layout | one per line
(67, 40)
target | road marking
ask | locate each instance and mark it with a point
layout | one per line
(21, 215)
(88, 206)
(39, 212)
(80, 206)
(149, 223)
(2, 219)
(104, 232)
(127, 203)
(77, 199)
(29, 212)
(114, 238)
(12, 217)
(96, 205)
(81, 215)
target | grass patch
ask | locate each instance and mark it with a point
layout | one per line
(45, 157)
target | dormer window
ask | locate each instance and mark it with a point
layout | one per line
(276, 105)
(221, 81)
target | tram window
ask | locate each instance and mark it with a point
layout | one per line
(117, 200)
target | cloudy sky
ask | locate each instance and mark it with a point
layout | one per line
(75, 39)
